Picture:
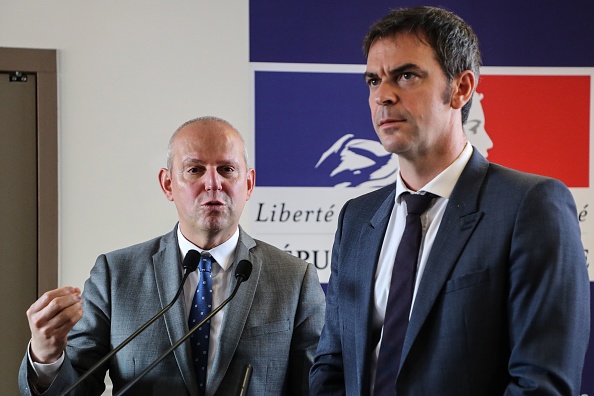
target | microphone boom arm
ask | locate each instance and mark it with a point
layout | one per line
(181, 340)
(189, 269)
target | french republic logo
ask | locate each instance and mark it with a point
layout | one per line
(314, 129)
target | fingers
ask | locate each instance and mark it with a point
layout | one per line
(55, 309)
(50, 318)
(51, 295)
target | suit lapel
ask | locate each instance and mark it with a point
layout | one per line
(459, 221)
(168, 276)
(370, 239)
(236, 312)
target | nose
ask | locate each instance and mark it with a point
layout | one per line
(384, 95)
(213, 180)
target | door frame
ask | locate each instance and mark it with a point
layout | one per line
(42, 62)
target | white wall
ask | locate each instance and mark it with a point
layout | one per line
(129, 73)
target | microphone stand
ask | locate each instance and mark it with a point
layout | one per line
(244, 384)
(189, 269)
(181, 340)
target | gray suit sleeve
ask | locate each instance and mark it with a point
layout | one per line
(309, 320)
(66, 376)
(88, 341)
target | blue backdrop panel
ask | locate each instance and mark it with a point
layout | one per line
(298, 117)
(511, 32)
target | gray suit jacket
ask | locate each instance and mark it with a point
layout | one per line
(503, 305)
(273, 323)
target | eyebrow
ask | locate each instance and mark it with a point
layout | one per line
(224, 162)
(190, 160)
(407, 67)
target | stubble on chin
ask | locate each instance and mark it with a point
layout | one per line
(393, 141)
(210, 222)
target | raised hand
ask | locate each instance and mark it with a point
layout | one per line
(50, 318)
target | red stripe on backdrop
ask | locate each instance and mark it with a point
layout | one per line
(539, 124)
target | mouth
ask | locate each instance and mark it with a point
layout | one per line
(387, 122)
(213, 204)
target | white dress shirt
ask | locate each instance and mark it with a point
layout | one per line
(222, 276)
(442, 186)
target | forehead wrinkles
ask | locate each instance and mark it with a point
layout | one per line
(405, 46)
(201, 133)
(405, 52)
(223, 148)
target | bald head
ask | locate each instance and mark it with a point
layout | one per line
(204, 123)
(208, 179)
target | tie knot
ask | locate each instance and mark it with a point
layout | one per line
(418, 203)
(205, 263)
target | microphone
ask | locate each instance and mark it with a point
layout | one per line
(242, 273)
(190, 264)
(245, 380)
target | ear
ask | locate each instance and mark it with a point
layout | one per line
(165, 183)
(251, 182)
(463, 87)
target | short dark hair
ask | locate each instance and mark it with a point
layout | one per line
(453, 40)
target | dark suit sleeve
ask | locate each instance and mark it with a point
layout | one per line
(309, 320)
(548, 297)
(327, 372)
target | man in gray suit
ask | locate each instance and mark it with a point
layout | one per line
(497, 301)
(273, 323)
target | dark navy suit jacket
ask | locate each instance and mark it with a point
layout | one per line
(503, 305)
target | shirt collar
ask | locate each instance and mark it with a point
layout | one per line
(223, 254)
(444, 183)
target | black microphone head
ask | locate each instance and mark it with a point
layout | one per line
(191, 260)
(243, 270)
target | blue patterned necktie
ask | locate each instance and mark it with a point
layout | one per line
(400, 295)
(201, 307)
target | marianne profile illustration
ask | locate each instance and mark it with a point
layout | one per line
(356, 162)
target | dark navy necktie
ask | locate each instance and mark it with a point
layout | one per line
(201, 307)
(400, 295)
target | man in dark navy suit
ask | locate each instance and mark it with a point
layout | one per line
(500, 297)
